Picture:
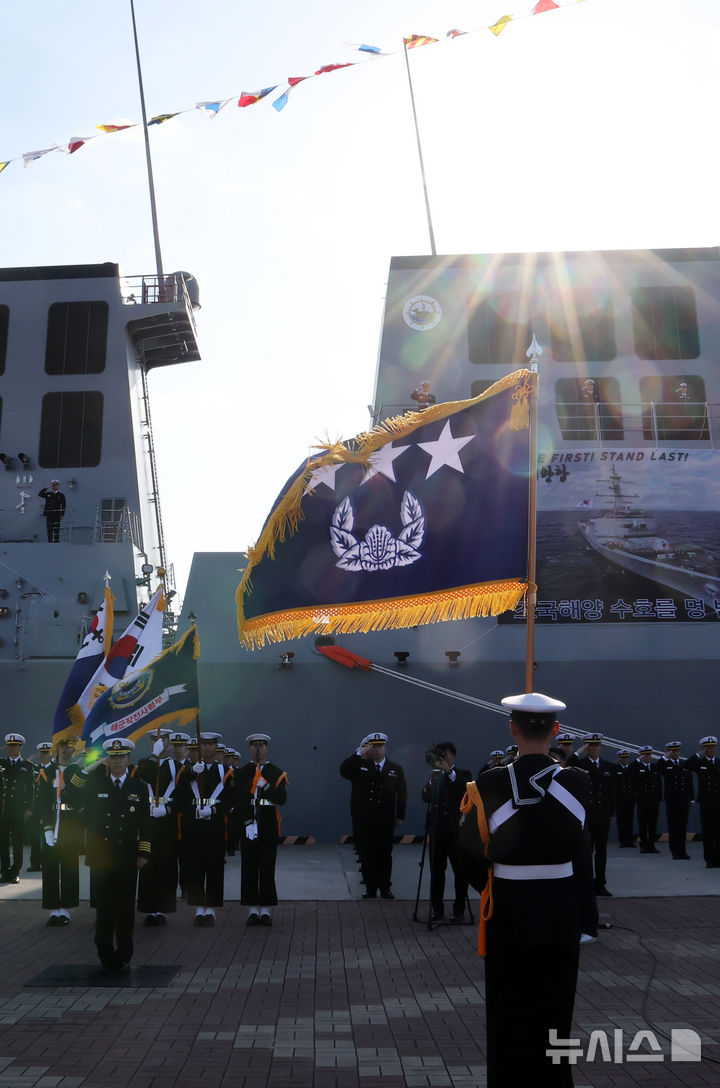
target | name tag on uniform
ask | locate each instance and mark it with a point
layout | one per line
(103, 795)
(392, 774)
(364, 769)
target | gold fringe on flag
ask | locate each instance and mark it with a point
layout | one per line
(458, 603)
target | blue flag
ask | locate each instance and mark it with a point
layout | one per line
(425, 518)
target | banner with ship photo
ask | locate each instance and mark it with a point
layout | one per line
(424, 518)
(628, 536)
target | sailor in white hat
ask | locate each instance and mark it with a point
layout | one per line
(624, 798)
(19, 779)
(706, 768)
(157, 883)
(261, 788)
(600, 803)
(679, 796)
(534, 811)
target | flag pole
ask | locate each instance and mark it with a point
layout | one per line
(420, 154)
(533, 353)
(151, 183)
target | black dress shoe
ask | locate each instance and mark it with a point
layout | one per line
(253, 920)
(369, 895)
(122, 968)
(53, 920)
(13, 880)
(603, 893)
(436, 916)
(160, 920)
(265, 920)
(387, 895)
(199, 920)
(653, 850)
(62, 920)
(151, 920)
(209, 921)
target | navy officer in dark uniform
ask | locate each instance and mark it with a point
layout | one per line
(260, 787)
(624, 798)
(707, 769)
(63, 837)
(648, 784)
(17, 808)
(377, 803)
(600, 804)
(524, 824)
(443, 792)
(679, 796)
(116, 812)
(157, 884)
(54, 510)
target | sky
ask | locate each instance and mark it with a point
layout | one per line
(589, 127)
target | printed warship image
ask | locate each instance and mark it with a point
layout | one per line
(625, 535)
(78, 345)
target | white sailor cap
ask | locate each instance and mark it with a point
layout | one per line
(624, 752)
(646, 749)
(162, 732)
(374, 738)
(231, 751)
(44, 746)
(593, 738)
(673, 744)
(511, 748)
(179, 738)
(564, 738)
(496, 752)
(257, 736)
(533, 703)
(14, 738)
(210, 736)
(118, 746)
(709, 740)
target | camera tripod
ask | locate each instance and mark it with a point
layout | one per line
(431, 837)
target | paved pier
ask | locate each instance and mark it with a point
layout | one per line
(340, 993)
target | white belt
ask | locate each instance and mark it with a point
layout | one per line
(533, 872)
(262, 801)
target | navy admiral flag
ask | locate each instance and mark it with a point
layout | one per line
(424, 518)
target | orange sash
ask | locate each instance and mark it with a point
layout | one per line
(472, 799)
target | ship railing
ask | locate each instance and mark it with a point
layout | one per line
(144, 290)
(122, 529)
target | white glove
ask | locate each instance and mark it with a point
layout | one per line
(251, 830)
(158, 747)
(198, 768)
(158, 811)
(50, 838)
(204, 812)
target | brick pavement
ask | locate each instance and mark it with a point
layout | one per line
(338, 995)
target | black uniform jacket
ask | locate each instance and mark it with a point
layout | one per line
(117, 821)
(19, 788)
(274, 791)
(376, 795)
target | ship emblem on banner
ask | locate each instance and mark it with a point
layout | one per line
(424, 518)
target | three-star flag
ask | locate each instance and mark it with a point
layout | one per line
(424, 518)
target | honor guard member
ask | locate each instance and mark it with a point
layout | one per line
(624, 799)
(181, 754)
(525, 822)
(62, 837)
(495, 760)
(707, 769)
(679, 795)
(648, 783)
(204, 795)
(45, 758)
(231, 761)
(17, 809)
(600, 803)
(377, 803)
(260, 787)
(443, 792)
(157, 883)
(116, 813)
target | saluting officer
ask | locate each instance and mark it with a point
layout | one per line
(62, 837)
(679, 795)
(624, 798)
(116, 812)
(528, 817)
(260, 786)
(600, 804)
(204, 794)
(17, 809)
(157, 884)
(648, 784)
(496, 757)
(707, 769)
(377, 803)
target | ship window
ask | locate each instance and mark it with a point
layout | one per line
(71, 430)
(589, 409)
(4, 322)
(76, 338)
(111, 519)
(499, 328)
(674, 408)
(665, 323)
(582, 326)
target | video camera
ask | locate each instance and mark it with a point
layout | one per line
(435, 755)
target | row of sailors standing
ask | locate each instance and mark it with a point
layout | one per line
(170, 818)
(636, 784)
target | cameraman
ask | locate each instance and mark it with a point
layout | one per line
(444, 791)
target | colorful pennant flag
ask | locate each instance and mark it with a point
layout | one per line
(31, 156)
(113, 128)
(139, 643)
(249, 98)
(544, 5)
(416, 40)
(294, 80)
(456, 33)
(161, 118)
(334, 67)
(423, 519)
(76, 142)
(374, 49)
(4, 164)
(89, 659)
(212, 109)
(164, 691)
(498, 27)
(281, 102)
